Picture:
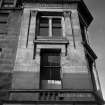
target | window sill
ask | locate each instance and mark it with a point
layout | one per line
(50, 38)
(11, 8)
(51, 41)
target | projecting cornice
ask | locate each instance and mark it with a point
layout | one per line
(56, 1)
(83, 10)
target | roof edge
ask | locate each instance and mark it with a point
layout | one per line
(82, 8)
(84, 11)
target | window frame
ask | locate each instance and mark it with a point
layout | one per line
(50, 28)
(8, 5)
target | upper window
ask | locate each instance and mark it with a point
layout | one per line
(50, 64)
(3, 23)
(56, 27)
(8, 3)
(50, 25)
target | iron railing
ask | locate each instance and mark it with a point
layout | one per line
(57, 92)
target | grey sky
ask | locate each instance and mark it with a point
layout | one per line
(97, 36)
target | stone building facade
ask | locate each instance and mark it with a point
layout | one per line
(45, 57)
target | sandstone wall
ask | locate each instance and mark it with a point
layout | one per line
(26, 68)
(9, 34)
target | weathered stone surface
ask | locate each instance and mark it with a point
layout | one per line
(77, 81)
(26, 69)
(74, 65)
(24, 96)
(8, 43)
(25, 80)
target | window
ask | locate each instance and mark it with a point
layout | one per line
(3, 23)
(44, 25)
(50, 25)
(8, 3)
(0, 51)
(56, 27)
(50, 68)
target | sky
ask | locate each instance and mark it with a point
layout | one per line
(96, 33)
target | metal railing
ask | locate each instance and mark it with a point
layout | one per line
(61, 94)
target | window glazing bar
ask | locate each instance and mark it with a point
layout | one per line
(50, 27)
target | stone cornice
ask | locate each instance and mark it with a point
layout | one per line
(83, 10)
(51, 42)
(52, 1)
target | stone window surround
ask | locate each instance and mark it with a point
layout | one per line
(65, 14)
(55, 45)
(47, 46)
(50, 23)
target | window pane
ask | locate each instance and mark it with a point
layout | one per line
(43, 32)
(43, 27)
(56, 27)
(50, 66)
(8, 3)
(56, 32)
(51, 59)
(50, 73)
(43, 22)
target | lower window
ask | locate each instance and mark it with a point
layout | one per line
(50, 69)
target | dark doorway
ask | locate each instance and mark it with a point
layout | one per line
(50, 77)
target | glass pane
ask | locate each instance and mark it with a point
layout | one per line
(43, 27)
(50, 66)
(43, 31)
(43, 22)
(8, 3)
(56, 27)
(56, 32)
(50, 73)
(56, 22)
(51, 59)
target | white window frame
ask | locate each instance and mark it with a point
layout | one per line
(50, 25)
